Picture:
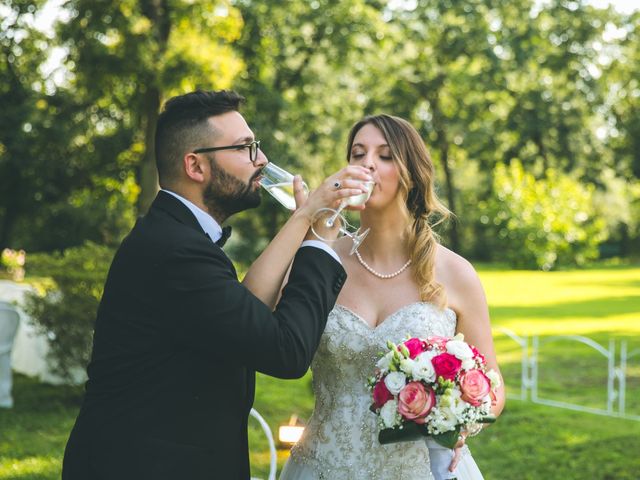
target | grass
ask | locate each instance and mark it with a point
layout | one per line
(529, 441)
(33, 434)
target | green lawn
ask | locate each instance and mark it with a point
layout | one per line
(528, 442)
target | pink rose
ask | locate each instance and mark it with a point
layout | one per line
(381, 394)
(415, 401)
(415, 347)
(438, 341)
(474, 386)
(446, 366)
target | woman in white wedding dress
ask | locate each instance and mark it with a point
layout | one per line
(401, 282)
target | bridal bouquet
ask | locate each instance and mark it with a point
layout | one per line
(433, 387)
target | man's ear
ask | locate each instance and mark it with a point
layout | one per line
(195, 167)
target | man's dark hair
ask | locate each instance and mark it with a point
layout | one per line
(182, 125)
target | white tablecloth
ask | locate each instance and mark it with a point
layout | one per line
(30, 348)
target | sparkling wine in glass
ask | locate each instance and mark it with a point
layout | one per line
(279, 183)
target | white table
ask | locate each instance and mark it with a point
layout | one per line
(30, 348)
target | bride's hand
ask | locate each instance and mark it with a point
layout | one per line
(457, 452)
(343, 184)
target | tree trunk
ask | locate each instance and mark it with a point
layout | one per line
(439, 122)
(148, 176)
(158, 12)
(451, 200)
(8, 221)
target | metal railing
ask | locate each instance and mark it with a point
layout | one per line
(616, 381)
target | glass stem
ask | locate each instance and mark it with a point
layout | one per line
(331, 220)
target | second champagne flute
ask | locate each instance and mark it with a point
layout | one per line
(333, 215)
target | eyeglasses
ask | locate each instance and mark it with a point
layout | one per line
(253, 149)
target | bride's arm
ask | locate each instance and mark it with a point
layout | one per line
(474, 322)
(266, 275)
(470, 304)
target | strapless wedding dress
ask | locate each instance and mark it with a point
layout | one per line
(340, 441)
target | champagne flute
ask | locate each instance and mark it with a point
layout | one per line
(346, 229)
(354, 201)
(279, 183)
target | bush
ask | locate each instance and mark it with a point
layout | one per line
(541, 223)
(65, 309)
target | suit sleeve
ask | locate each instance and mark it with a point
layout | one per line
(209, 310)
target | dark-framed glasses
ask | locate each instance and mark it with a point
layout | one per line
(253, 149)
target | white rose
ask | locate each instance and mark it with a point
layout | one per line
(430, 353)
(389, 414)
(407, 366)
(468, 364)
(444, 420)
(384, 363)
(395, 382)
(461, 350)
(423, 368)
(494, 378)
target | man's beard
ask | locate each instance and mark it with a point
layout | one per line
(226, 194)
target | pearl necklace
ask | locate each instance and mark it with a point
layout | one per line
(381, 275)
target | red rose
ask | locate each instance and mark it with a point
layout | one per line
(446, 366)
(381, 394)
(415, 401)
(415, 347)
(474, 386)
(477, 354)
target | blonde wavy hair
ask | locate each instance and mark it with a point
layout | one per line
(422, 206)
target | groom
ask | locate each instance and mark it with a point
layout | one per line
(177, 338)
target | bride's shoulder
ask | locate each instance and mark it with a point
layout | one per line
(454, 272)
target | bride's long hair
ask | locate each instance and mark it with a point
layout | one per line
(421, 204)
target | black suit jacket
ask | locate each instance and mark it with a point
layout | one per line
(177, 342)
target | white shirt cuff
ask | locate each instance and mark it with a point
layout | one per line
(321, 246)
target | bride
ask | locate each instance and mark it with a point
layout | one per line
(401, 282)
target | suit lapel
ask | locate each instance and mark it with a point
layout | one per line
(178, 210)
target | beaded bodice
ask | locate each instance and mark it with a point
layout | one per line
(341, 438)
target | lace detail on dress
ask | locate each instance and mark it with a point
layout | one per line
(341, 438)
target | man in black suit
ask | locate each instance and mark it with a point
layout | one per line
(177, 338)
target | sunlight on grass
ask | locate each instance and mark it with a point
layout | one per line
(577, 302)
(521, 288)
(26, 468)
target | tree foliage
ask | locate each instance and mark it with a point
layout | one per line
(66, 310)
(541, 223)
(549, 86)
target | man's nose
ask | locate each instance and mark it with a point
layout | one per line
(261, 159)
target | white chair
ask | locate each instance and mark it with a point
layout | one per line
(273, 468)
(9, 319)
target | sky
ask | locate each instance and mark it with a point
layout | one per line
(625, 6)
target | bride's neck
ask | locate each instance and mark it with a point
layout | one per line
(386, 242)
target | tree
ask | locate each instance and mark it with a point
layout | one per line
(127, 56)
(304, 65)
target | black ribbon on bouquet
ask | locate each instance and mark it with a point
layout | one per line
(411, 431)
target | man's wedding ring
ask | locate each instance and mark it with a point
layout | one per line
(337, 184)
